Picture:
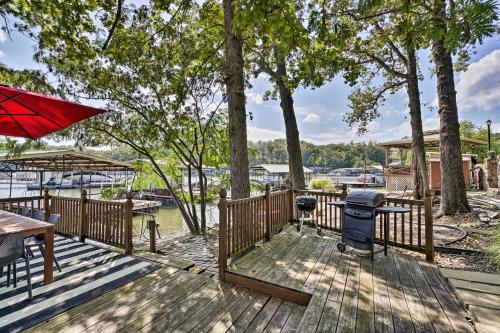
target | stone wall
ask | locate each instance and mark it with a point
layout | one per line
(491, 165)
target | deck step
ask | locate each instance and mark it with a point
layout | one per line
(165, 260)
(196, 270)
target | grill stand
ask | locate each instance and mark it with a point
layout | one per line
(307, 217)
(385, 211)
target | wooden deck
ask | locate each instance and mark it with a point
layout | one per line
(349, 293)
(344, 293)
(174, 300)
(480, 293)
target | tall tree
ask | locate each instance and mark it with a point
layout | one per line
(162, 63)
(283, 43)
(235, 90)
(456, 25)
(390, 52)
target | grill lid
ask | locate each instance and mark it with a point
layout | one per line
(305, 200)
(365, 198)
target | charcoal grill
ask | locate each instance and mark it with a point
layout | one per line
(305, 206)
(358, 228)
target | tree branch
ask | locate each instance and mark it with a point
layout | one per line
(115, 23)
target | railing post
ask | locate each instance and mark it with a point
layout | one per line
(152, 235)
(222, 233)
(344, 192)
(128, 224)
(46, 203)
(267, 196)
(291, 206)
(429, 229)
(82, 230)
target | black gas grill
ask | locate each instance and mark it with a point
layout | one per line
(358, 229)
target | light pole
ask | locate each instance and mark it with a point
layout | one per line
(488, 123)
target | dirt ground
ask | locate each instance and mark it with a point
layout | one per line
(476, 238)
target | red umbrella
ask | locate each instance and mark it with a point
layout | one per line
(30, 115)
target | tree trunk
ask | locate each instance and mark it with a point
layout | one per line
(292, 131)
(421, 178)
(453, 192)
(203, 205)
(240, 182)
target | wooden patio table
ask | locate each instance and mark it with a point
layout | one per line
(10, 222)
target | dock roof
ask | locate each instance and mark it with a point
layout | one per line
(276, 168)
(60, 160)
(431, 140)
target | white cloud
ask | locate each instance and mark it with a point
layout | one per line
(262, 134)
(479, 86)
(3, 38)
(312, 118)
(2, 53)
(255, 98)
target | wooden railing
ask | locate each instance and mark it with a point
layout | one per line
(244, 222)
(108, 222)
(326, 216)
(69, 209)
(14, 205)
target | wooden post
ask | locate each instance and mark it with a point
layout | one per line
(222, 233)
(429, 229)
(344, 192)
(291, 206)
(83, 217)
(152, 235)
(128, 224)
(268, 212)
(46, 204)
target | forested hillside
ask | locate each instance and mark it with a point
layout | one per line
(332, 155)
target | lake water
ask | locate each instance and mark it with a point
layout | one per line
(170, 219)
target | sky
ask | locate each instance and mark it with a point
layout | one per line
(320, 111)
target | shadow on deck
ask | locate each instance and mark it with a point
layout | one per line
(348, 293)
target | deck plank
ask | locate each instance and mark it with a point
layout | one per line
(470, 276)
(381, 302)
(331, 310)
(227, 319)
(316, 273)
(264, 316)
(177, 315)
(293, 321)
(302, 275)
(315, 308)
(80, 313)
(420, 319)
(158, 305)
(349, 307)
(278, 321)
(209, 314)
(365, 319)
(400, 312)
(436, 313)
(279, 268)
(445, 296)
(250, 313)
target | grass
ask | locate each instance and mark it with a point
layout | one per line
(493, 247)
